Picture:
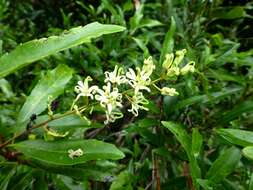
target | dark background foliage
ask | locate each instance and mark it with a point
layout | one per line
(218, 37)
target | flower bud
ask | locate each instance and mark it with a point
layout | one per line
(167, 63)
(169, 91)
(188, 68)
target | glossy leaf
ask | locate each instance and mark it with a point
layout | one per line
(197, 141)
(168, 43)
(248, 152)
(185, 140)
(57, 152)
(237, 136)
(51, 85)
(34, 50)
(224, 165)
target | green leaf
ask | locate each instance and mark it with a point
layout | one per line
(149, 23)
(123, 182)
(245, 107)
(57, 152)
(168, 43)
(6, 88)
(185, 141)
(50, 85)
(90, 170)
(197, 141)
(223, 75)
(224, 165)
(230, 13)
(66, 183)
(248, 152)
(40, 182)
(237, 136)
(23, 181)
(251, 182)
(34, 50)
(142, 46)
(205, 184)
(63, 124)
(7, 172)
(208, 98)
(68, 122)
(180, 133)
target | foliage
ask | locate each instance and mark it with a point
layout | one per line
(171, 119)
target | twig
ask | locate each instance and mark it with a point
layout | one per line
(35, 127)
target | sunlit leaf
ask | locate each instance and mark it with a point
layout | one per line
(34, 50)
(224, 165)
(57, 152)
(51, 85)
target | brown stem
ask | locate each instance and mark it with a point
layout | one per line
(4, 144)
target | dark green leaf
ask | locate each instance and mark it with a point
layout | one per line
(186, 142)
(168, 43)
(233, 13)
(57, 152)
(197, 141)
(123, 182)
(208, 98)
(237, 136)
(251, 182)
(224, 165)
(34, 50)
(246, 106)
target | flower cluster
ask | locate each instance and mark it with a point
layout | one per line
(110, 97)
(172, 62)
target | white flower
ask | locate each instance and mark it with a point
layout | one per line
(115, 77)
(83, 88)
(141, 80)
(111, 117)
(75, 153)
(138, 101)
(109, 99)
(138, 81)
(189, 67)
(169, 91)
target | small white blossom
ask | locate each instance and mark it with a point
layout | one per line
(109, 98)
(137, 102)
(138, 81)
(189, 67)
(111, 117)
(115, 77)
(141, 80)
(75, 153)
(169, 91)
(83, 88)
